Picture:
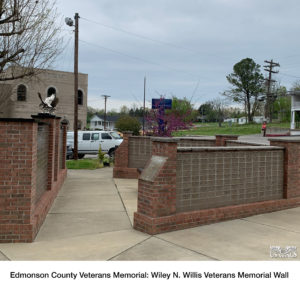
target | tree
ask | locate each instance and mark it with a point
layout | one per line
(183, 108)
(29, 37)
(296, 86)
(29, 40)
(247, 81)
(207, 113)
(281, 106)
(219, 106)
(214, 110)
(136, 112)
(164, 124)
(124, 110)
(128, 123)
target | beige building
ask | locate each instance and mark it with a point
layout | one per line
(19, 98)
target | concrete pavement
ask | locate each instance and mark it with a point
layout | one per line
(91, 219)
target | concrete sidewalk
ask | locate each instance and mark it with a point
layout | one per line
(91, 219)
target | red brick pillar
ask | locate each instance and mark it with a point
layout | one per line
(53, 123)
(221, 139)
(121, 169)
(56, 152)
(64, 124)
(291, 165)
(157, 187)
(18, 154)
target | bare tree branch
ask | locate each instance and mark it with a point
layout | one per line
(30, 38)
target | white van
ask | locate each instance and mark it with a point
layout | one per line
(90, 141)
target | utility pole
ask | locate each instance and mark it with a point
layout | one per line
(70, 23)
(76, 87)
(105, 100)
(144, 108)
(270, 96)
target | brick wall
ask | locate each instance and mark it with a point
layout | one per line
(291, 165)
(259, 179)
(121, 167)
(221, 139)
(135, 151)
(195, 142)
(236, 143)
(218, 177)
(42, 160)
(139, 151)
(23, 206)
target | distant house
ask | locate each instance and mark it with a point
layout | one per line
(295, 107)
(232, 120)
(97, 122)
(256, 119)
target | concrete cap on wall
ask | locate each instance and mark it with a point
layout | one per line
(227, 135)
(165, 139)
(16, 120)
(45, 116)
(230, 148)
(286, 139)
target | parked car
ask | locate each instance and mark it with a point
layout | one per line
(90, 141)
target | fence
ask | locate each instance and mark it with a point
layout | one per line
(182, 187)
(33, 154)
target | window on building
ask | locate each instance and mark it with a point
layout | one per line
(21, 93)
(80, 97)
(51, 91)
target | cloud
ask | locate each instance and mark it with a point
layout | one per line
(180, 43)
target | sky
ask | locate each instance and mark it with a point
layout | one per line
(184, 48)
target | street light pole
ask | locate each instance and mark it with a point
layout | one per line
(105, 100)
(70, 22)
(144, 107)
(76, 87)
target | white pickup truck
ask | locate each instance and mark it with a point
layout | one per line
(90, 141)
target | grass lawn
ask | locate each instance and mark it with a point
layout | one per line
(211, 129)
(84, 164)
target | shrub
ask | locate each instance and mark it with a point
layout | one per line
(100, 155)
(128, 123)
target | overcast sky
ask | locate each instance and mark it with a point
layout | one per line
(183, 47)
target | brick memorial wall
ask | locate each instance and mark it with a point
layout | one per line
(135, 151)
(42, 160)
(224, 176)
(139, 151)
(30, 175)
(183, 187)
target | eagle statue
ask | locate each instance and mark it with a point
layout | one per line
(48, 105)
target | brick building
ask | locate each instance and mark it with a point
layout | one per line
(19, 98)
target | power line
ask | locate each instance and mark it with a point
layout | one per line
(165, 43)
(289, 75)
(137, 58)
(141, 36)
